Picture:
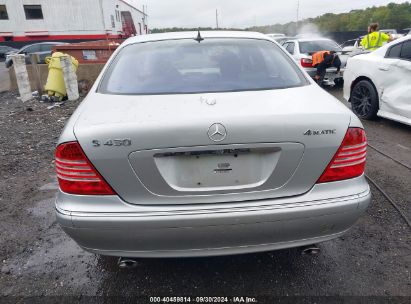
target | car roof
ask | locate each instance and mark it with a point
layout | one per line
(193, 35)
(313, 39)
(46, 42)
(41, 43)
(382, 50)
(308, 39)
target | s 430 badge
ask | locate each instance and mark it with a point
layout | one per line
(112, 142)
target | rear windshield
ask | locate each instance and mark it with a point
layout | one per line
(307, 47)
(214, 65)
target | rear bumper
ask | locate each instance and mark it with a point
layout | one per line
(330, 76)
(208, 232)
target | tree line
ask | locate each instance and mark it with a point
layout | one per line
(395, 16)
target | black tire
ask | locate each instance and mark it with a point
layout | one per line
(339, 82)
(364, 100)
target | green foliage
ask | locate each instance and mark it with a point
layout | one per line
(395, 16)
(391, 16)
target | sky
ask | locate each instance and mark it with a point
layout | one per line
(242, 13)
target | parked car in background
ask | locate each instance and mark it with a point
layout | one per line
(275, 35)
(379, 83)
(43, 49)
(348, 43)
(302, 50)
(352, 47)
(208, 144)
(408, 30)
(282, 40)
(4, 50)
(394, 34)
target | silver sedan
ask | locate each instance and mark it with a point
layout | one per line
(211, 143)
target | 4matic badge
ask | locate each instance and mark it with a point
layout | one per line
(320, 132)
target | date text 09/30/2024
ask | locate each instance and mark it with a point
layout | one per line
(238, 299)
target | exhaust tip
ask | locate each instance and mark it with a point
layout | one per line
(310, 250)
(126, 263)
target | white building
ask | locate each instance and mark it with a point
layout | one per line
(27, 20)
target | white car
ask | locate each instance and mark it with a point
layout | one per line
(302, 50)
(394, 34)
(275, 35)
(353, 47)
(379, 83)
(211, 143)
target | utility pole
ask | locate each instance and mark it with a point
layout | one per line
(216, 18)
(145, 18)
(298, 15)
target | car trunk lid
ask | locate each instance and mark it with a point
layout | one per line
(157, 149)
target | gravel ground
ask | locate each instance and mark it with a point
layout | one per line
(28, 135)
(37, 259)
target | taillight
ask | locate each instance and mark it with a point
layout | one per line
(75, 173)
(306, 63)
(349, 161)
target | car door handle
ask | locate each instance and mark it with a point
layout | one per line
(383, 68)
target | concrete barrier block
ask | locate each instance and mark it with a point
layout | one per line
(22, 77)
(70, 78)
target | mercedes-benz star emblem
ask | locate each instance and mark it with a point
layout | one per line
(217, 132)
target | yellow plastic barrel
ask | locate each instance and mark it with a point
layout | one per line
(55, 85)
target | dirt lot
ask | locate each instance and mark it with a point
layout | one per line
(38, 259)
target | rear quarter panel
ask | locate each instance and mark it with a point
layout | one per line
(361, 66)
